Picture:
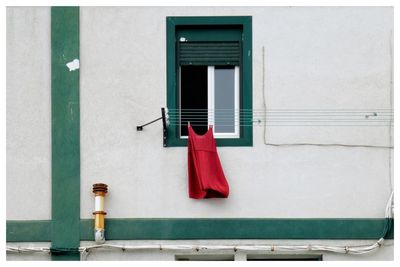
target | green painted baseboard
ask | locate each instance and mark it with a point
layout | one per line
(28, 231)
(252, 228)
(233, 228)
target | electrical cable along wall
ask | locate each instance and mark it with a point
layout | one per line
(319, 189)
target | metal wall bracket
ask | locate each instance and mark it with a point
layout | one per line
(164, 121)
(165, 131)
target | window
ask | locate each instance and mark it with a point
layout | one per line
(209, 95)
(209, 79)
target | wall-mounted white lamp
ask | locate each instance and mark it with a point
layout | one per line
(100, 191)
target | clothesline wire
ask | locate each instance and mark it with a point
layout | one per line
(277, 116)
(186, 118)
(376, 113)
(303, 109)
(220, 120)
(281, 113)
(255, 122)
(264, 120)
(364, 115)
(272, 125)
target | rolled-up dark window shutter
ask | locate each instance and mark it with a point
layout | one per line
(209, 53)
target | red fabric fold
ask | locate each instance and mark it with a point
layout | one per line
(206, 176)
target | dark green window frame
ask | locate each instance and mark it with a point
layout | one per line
(245, 22)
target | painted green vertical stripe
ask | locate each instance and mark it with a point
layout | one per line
(65, 132)
(247, 77)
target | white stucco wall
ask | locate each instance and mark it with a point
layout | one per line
(121, 86)
(328, 58)
(28, 113)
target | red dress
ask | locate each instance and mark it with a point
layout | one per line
(206, 177)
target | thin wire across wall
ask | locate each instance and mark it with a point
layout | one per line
(363, 117)
(261, 117)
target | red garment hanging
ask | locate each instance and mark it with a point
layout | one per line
(206, 177)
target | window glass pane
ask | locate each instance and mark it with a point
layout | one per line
(224, 99)
(193, 99)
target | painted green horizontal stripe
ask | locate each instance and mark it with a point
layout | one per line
(206, 53)
(210, 45)
(28, 231)
(209, 49)
(171, 229)
(126, 229)
(210, 20)
(210, 57)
